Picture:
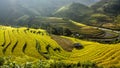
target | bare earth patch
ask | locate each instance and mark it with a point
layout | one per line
(65, 43)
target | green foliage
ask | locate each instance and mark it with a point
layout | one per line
(51, 64)
(28, 65)
(2, 60)
(42, 64)
(61, 64)
(61, 31)
(9, 64)
(89, 64)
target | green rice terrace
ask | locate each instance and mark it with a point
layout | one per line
(26, 46)
(52, 24)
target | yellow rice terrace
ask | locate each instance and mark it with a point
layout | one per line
(32, 47)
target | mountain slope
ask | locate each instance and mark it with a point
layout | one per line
(74, 11)
(111, 11)
(36, 43)
(108, 7)
(67, 27)
(10, 10)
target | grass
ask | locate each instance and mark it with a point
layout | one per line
(24, 45)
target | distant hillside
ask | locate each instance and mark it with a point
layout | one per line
(108, 7)
(67, 27)
(106, 14)
(74, 11)
(10, 10)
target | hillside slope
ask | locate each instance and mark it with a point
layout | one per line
(22, 42)
(110, 7)
(27, 45)
(106, 14)
(74, 11)
(10, 10)
(63, 26)
(103, 54)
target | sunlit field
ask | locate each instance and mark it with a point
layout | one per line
(30, 45)
(59, 33)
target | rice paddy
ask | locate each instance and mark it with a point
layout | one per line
(31, 44)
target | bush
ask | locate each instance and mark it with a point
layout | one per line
(48, 64)
(42, 64)
(2, 61)
(61, 64)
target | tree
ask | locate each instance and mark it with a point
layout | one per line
(67, 32)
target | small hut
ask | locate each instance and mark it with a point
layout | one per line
(78, 46)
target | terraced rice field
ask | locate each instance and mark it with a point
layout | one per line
(27, 42)
(38, 44)
(85, 31)
(107, 55)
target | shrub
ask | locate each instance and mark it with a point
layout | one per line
(28, 65)
(42, 64)
(2, 61)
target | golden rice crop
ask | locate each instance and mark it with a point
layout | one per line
(40, 45)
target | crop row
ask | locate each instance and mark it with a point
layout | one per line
(31, 42)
